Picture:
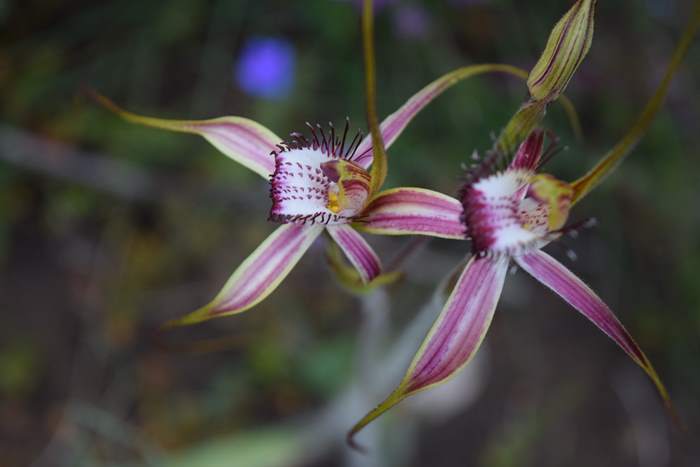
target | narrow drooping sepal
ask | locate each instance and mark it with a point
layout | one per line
(357, 250)
(566, 48)
(394, 124)
(413, 211)
(459, 330)
(456, 335)
(629, 141)
(241, 139)
(576, 293)
(260, 274)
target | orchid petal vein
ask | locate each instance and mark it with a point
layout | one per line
(413, 211)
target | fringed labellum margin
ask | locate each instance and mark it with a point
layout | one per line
(315, 181)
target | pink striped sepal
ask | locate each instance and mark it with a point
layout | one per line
(260, 274)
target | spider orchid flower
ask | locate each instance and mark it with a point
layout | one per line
(509, 216)
(319, 182)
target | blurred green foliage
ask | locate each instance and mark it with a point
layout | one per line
(87, 273)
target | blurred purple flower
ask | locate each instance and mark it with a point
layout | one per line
(266, 67)
(411, 22)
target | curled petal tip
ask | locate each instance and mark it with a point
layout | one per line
(397, 396)
(101, 100)
(353, 444)
(676, 419)
(195, 317)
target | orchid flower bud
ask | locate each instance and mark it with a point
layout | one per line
(566, 48)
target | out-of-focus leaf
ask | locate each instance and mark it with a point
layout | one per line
(272, 447)
(19, 368)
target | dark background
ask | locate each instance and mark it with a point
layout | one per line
(107, 230)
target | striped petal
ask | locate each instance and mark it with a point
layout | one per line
(413, 211)
(564, 283)
(357, 250)
(395, 123)
(529, 153)
(260, 274)
(456, 335)
(241, 139)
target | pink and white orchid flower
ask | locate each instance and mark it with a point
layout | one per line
(508, 216)
(318, 182)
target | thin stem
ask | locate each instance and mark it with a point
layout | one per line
(612, 159)
(379, 164)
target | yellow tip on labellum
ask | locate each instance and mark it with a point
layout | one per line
(566, 48)
(333, 202)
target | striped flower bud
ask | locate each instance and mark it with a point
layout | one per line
(566, 48)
